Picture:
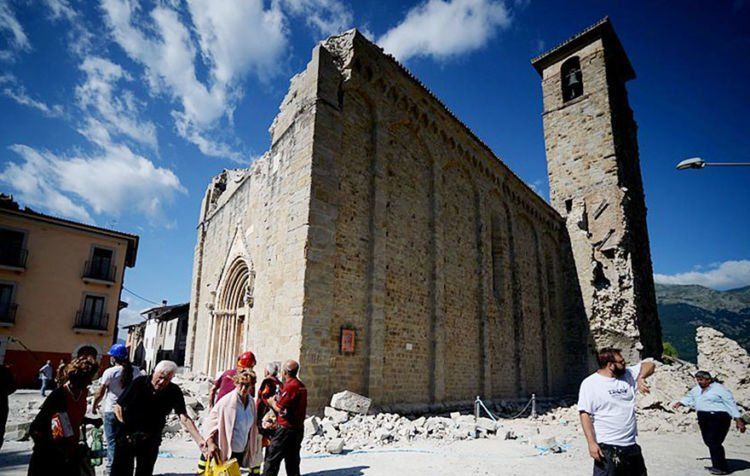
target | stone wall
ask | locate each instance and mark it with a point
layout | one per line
(256, 219)
(595, 183)
(377, 211)
(451, 271)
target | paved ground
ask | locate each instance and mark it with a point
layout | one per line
(679, 454)
(671, 454)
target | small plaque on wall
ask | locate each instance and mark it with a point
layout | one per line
(348, 339)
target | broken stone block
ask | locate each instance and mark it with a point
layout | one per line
(455, 415)
(17, 431)
(487, 424)
(543, 442)
(337, 416)
(192, 402)
(312, 426)
(351, 402)
(464, 431)
(335, 446)
(328, 429)
(172, 427)
(381, 434)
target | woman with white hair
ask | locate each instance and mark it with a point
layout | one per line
(230, 430)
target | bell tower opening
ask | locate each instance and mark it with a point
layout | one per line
(572, 79)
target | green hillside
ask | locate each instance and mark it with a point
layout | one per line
(683, 308)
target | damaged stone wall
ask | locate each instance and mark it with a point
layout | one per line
(376, 211)
(595, 183)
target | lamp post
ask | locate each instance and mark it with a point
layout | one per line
(699, 163)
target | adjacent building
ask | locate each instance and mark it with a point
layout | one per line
(60, 287)
(161, 336)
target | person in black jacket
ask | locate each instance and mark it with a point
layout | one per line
(56, 428)
(7, 386)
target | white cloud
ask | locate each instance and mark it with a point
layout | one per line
(131, 315)
(80, 39)
(229, 40)
(111, 180)
(444, 29)
(17, 92)
(213, 148)
(35, 183)
(237, 37)
(61, 9)
(726, 275)
(117, 109)
(234, 38)
(11, 29)
(328, 17)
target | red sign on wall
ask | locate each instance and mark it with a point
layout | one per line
(348, 337)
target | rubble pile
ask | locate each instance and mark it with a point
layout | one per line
(727, 361)
(341, 428)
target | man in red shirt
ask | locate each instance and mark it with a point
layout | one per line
(290, 407)
(224, 384)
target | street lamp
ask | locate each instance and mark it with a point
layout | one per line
(699, 163)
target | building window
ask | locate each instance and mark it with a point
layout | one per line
(7, 306)
(100, 265)
(12, 251)
(571, 78)
(92, 315)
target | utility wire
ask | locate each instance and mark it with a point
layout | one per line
(140, 297)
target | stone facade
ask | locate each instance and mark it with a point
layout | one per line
(595, 184)
(377, 211)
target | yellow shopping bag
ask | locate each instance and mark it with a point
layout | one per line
(227, 468)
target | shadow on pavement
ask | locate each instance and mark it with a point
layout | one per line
(9, 459)
(734, 464)
(737, 464)
(353, 471)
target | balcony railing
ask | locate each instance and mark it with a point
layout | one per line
(8, 313)
(97, 322)
(100, 270)
(13, 256)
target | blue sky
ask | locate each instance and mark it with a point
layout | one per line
(118, 113)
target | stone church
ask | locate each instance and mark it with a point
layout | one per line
(385, 247)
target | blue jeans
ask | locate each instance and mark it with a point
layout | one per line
(112, 428)
(45, 385)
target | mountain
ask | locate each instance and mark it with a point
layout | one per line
(682, 308)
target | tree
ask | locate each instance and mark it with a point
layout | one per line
(670, 350)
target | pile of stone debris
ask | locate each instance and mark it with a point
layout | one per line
(347, 424)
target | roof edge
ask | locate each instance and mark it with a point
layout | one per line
(601, 29)
(132, 240)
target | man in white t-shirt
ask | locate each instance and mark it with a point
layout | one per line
(112, 384)
(606, 404)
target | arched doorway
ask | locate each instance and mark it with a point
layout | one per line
(229, 321)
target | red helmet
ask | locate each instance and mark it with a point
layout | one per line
(246, 360)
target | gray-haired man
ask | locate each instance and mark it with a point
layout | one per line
(143, 408)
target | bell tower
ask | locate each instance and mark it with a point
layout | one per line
(595, 184)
